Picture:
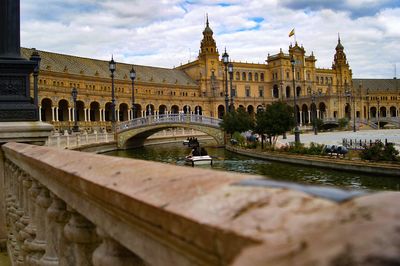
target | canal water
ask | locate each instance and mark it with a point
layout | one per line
(224, 160)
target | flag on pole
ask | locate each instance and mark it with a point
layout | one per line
(291, 33)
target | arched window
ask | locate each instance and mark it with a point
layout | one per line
(244, 76)
(262, 76)
(250, 77)
(256, 76)
(237, 76)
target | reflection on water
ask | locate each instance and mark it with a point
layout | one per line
(228, 161)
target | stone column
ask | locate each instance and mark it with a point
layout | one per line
(309, 116)
(117, 114)
(88, 111)
(52, 114)
(40, 113)
(81, 234)
(101, 115)
(85, 114)
(317, 113)
(69, 114)
(57, 113)
(301, 118)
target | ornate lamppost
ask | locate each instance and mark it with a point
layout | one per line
(112, 67)
(74, 94)
(351, 98)
(132, 74)
(35, 57)
(296, 129)
(225, 60)
(367, 95)
(379, 115)
(314, 114)
(230, 70)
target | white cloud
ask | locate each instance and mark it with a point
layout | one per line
(166, 33)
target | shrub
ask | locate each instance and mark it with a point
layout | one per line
(380, 152)
(343, 122)
(239, 138)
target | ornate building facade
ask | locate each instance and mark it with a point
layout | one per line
(198, 87)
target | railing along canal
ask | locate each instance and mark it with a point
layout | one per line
(71, 208)
(77, 140)
(168, 119)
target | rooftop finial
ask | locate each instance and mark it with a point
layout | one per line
(207, 19)
(338, 37)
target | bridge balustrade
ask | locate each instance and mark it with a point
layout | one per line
(167, 119)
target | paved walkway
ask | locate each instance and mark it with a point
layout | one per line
(392, 135)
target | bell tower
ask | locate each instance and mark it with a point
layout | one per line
(341, 67)
(209, 63)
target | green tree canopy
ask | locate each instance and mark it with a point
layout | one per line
(237, 121)
(276, 119)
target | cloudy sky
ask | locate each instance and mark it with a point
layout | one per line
(167, 33)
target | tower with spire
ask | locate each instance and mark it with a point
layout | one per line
(341, 68)
(208, 46)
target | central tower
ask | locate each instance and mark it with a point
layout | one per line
(209, 63)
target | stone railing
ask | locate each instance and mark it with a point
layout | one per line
(70, 208)
(168, 119)
(77, 140)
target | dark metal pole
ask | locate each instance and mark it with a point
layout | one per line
(10, 29)
(296, 129)
(226, 88)
(16, 103)
(314, 115)
(230, 80)
(112, 100)
(354, 113)
(74, 97)
(133, 100)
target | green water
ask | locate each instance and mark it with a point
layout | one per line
(228, 161)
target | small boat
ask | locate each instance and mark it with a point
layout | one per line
(198, 156)
(198, 160)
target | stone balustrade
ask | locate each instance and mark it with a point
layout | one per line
(76, 140)
(70, 208)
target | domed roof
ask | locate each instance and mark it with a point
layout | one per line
(339, 46)
(207, 30)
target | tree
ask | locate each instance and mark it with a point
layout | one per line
(276, 119)
(237, 121)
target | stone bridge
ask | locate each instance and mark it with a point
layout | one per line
(133, 133)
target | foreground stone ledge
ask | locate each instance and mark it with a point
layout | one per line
(170, 215)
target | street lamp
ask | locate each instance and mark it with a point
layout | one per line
(225, 60)
(132, 74)
(74, 94)
(112, 67)
(351, 98)
(230, 70)
(296, 129)
(36, 58)
(379, 114)
(367, 94)
(314, 114)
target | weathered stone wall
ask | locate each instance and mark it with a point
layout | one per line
(97, 209)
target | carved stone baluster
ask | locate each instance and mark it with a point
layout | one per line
(13, 210)
(30, 230)
(110, 252)
(81, 234)
(57, 217)
(22, 223)
(38, 245)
